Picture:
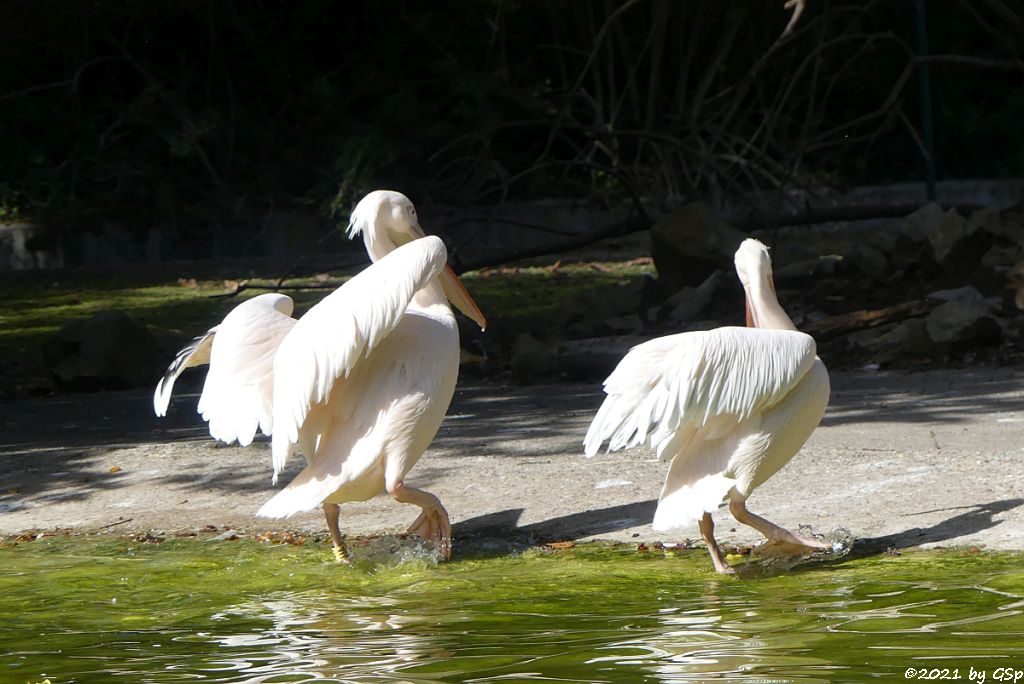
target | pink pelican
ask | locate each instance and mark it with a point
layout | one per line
(359, 385)
(730, 406)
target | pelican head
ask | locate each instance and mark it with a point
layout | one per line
(754, 268)
(753, 265)
(387, 219)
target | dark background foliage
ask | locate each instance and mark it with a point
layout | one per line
(202, 111)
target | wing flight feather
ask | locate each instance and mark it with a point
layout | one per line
(237, 396)
(195, 353)
(239, 385)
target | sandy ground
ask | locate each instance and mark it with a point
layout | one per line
(901, 459)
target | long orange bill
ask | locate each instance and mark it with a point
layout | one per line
(457, 295)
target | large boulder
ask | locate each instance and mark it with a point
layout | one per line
(1008, 224)
(897, 341)
(981, 247)
(687, 305)
(690, 244)
(107, 351)
(942, 229)
(965, 319)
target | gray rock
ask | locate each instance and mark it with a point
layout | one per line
(612, 309)
(690, 244)
(914, 339)
(871, 261)
(596, 357)
(962, 322)
(965, 319)
(630, 324)
(872, 339)
(107, 351)
(1002, 259)
(690, 302)
(895, 341)
(1004, 224)
(911, 337)
(824, 265)
(968, 296)
(532, 359)
(884, 238)
(942, 229)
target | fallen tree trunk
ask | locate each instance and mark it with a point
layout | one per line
(852, 321)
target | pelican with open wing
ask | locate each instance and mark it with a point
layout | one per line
(359, 385)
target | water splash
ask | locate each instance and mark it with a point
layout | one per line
(371, 553)
(768, 560)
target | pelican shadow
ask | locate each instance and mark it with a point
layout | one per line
(500, 532)
(972, 520)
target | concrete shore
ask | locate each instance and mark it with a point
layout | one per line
(930, 458)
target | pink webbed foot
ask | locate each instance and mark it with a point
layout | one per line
(780, 541)
(433, 525)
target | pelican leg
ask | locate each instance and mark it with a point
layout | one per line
(432, 523)
(707, 530)
(332, 512)
(772, 532)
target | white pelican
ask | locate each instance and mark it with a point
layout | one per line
(730, 406)
(359, 385)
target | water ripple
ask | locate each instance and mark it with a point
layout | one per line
(255, 614)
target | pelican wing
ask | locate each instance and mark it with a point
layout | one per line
(709, 381)
(195, 353)
(338, 332)
(237, 396)
(238, 389)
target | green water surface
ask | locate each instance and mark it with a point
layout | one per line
(82, 610)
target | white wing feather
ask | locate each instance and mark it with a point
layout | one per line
(708, 380)
(195, 353)
(237, 396)
(343, 328)
(238, 389)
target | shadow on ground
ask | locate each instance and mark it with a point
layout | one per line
(482, 411)
(972, 520)
(483, 532)
(939, 396)
(49, 444)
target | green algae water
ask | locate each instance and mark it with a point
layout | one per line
(82, 610)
